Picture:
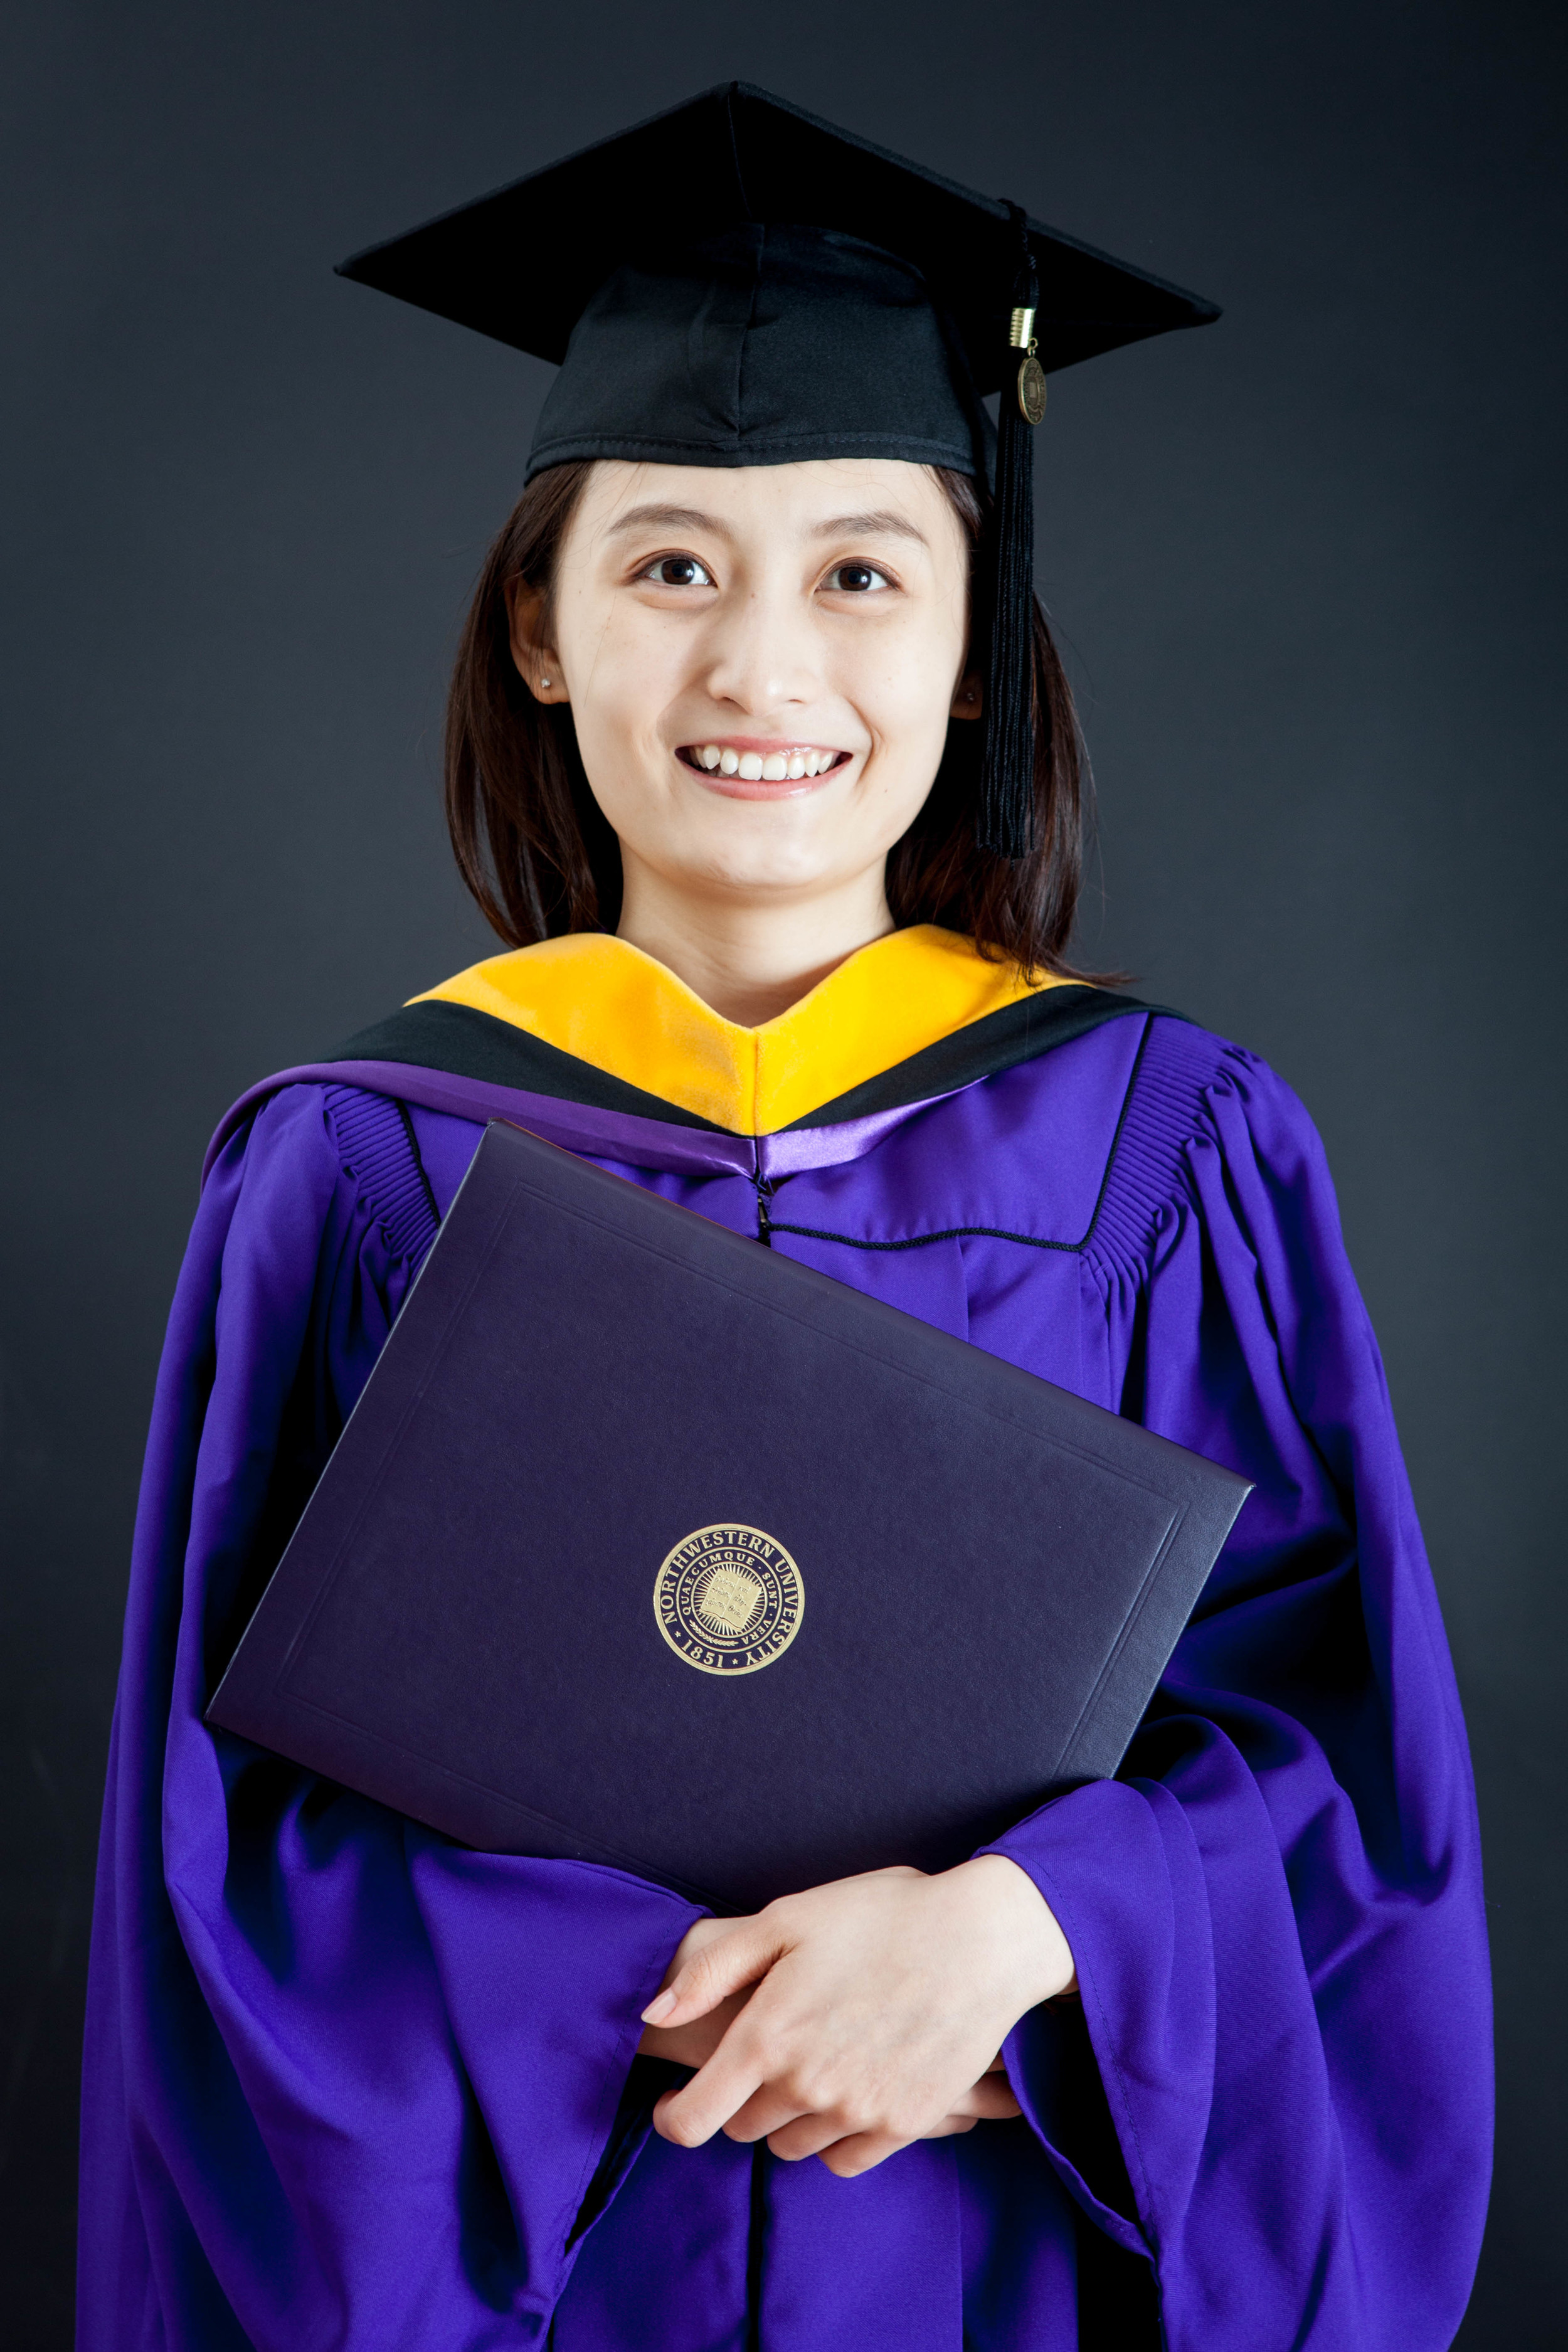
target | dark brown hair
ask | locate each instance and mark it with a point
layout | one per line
(541, 857)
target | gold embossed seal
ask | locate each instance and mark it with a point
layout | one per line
(729, 1599)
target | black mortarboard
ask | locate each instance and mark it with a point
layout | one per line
(737, 283)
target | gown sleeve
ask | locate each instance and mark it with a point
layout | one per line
(345, 2084)
(1274, 1908)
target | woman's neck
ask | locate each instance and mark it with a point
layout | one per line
(751, 959)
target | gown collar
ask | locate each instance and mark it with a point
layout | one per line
(595, 1047)
(606, 1003)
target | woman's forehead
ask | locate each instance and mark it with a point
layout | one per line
(862, 497)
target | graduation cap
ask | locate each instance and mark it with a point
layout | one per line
(738, 283)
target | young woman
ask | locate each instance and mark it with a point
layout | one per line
(1196, 2056)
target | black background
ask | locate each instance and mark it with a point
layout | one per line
(1307, 564)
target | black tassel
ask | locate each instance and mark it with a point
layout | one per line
(1005, 820)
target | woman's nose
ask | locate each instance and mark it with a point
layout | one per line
(760, 653)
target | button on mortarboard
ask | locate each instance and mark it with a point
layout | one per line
(737, 283)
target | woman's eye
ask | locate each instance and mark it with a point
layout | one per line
(854, 579)
(677, 572)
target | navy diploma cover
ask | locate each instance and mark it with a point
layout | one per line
(647, 1545)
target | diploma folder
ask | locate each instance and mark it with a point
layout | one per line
(647, 1545)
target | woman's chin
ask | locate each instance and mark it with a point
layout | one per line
(751, 845)
(758, 870)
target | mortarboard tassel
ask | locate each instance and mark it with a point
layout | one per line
(1006, 820)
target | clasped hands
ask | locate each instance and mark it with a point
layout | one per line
(847, 2021)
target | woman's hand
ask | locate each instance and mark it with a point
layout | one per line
(876, 2008)
(693, 2045)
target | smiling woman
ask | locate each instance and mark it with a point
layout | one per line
(780, 632)
(761, 764)
(762, 550)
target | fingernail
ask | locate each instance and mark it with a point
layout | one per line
(660, 2006)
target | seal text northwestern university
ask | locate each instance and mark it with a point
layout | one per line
(729, 1599)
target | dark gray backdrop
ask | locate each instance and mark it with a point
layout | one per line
(1308, 564)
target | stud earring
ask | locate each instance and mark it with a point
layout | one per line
(544, 681)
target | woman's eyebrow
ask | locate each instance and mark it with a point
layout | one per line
(657, 518)
(880, 522)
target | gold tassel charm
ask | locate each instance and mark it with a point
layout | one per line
(1031, 375)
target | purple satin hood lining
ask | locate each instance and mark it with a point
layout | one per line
(599, 1134)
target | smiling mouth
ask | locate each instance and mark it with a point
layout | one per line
(780, 764)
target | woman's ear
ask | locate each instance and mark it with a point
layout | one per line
(538, 665)
(967, 702)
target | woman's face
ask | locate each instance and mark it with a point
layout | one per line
(761, 664)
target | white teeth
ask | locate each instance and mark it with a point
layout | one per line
(754, 768)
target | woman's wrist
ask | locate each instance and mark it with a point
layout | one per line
(1033, 1953)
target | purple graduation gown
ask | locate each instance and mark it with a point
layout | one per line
(349, 2086)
